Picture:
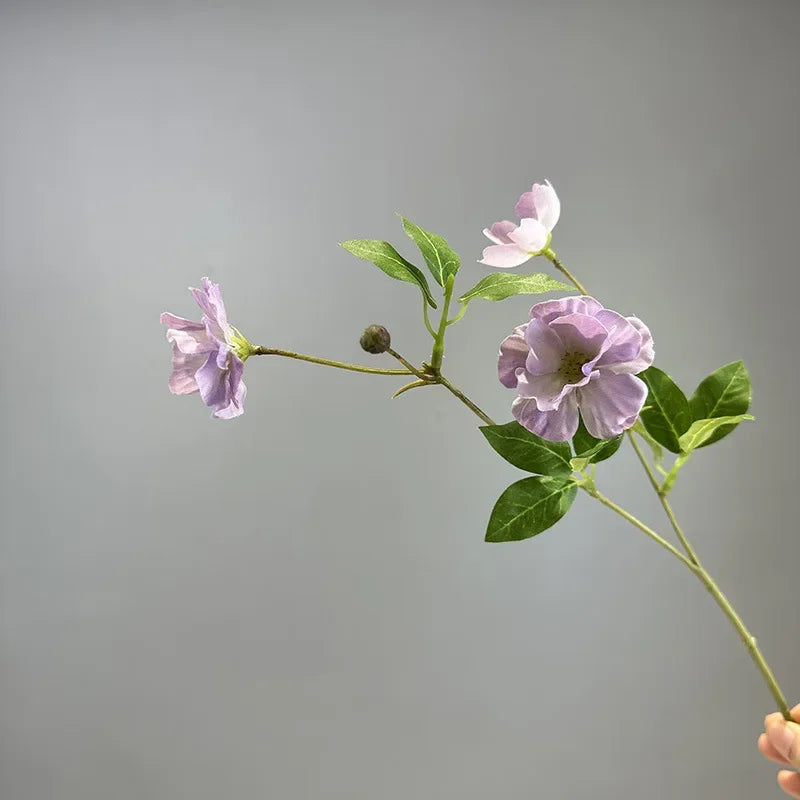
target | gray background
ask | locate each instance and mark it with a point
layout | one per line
(299, 603)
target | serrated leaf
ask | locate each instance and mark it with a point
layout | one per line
(528, 451)
(725, 392)
(702, 430)
(500, 285)
(442, 261)
(593, 450)
(387, 259)
(666, 412)
(530, 506)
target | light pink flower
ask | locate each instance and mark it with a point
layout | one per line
(538, 210)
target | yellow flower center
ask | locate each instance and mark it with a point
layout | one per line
(571, 363)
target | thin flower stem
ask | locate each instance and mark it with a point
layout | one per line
(465, 400)
(663, 498)
(640, 525)
(438, 344)
(272, 351)
(409, 366)
(556, 262)
(461, 312)
(428, 325)
(748, 639)
(440, 379)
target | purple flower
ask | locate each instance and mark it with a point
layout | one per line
(538, 211)
(575, 354)
(208, 356)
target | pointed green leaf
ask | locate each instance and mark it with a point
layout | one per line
(528, 451)
(500, 285)
(593, 450)
(441, 260)
(386, 258)
(724, 393)
(703, 430)
(666, 412)
(528, 507)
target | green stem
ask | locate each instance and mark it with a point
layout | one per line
(438, 345)
(272, 351)
(440, 379)
(553, 258)
(461, 312)
(748, 639)
(465, 400)
(428, 325)
(410, 367)
(663, 498)
(640, 525)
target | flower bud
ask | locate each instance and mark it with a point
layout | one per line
(376, 339)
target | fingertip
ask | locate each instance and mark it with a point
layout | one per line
(789, 782)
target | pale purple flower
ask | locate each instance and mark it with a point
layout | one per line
(538, 211)
(574, 354)
(208, 356)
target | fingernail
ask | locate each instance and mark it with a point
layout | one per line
(782, 738)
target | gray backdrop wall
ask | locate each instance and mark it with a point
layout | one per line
(299, 603)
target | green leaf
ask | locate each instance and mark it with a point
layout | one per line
(724, 393)
(594, 450)
(386, 258)
(500, 285)
(528, 507)
(528, 451)
(702, 431)
(666, 412)
(441, 260)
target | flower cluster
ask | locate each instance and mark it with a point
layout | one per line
(208, 356)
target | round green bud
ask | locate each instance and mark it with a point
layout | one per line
(376, 339)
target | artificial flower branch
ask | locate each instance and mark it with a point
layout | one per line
(583, 375)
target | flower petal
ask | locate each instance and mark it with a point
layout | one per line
(531, 235)
(184, 367)
(541, 203)
(191, 340)
(209, 298)
(179, 323)
(580, 333)
(236, 406)
(555, 426)
(549, 391)
(611, 403)
(545, 349)
(647, 353)
(513, 352)
(499, 231)
(504, 256)
(551, 309)
(220, 385)
(525, 207)
(623, 343)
